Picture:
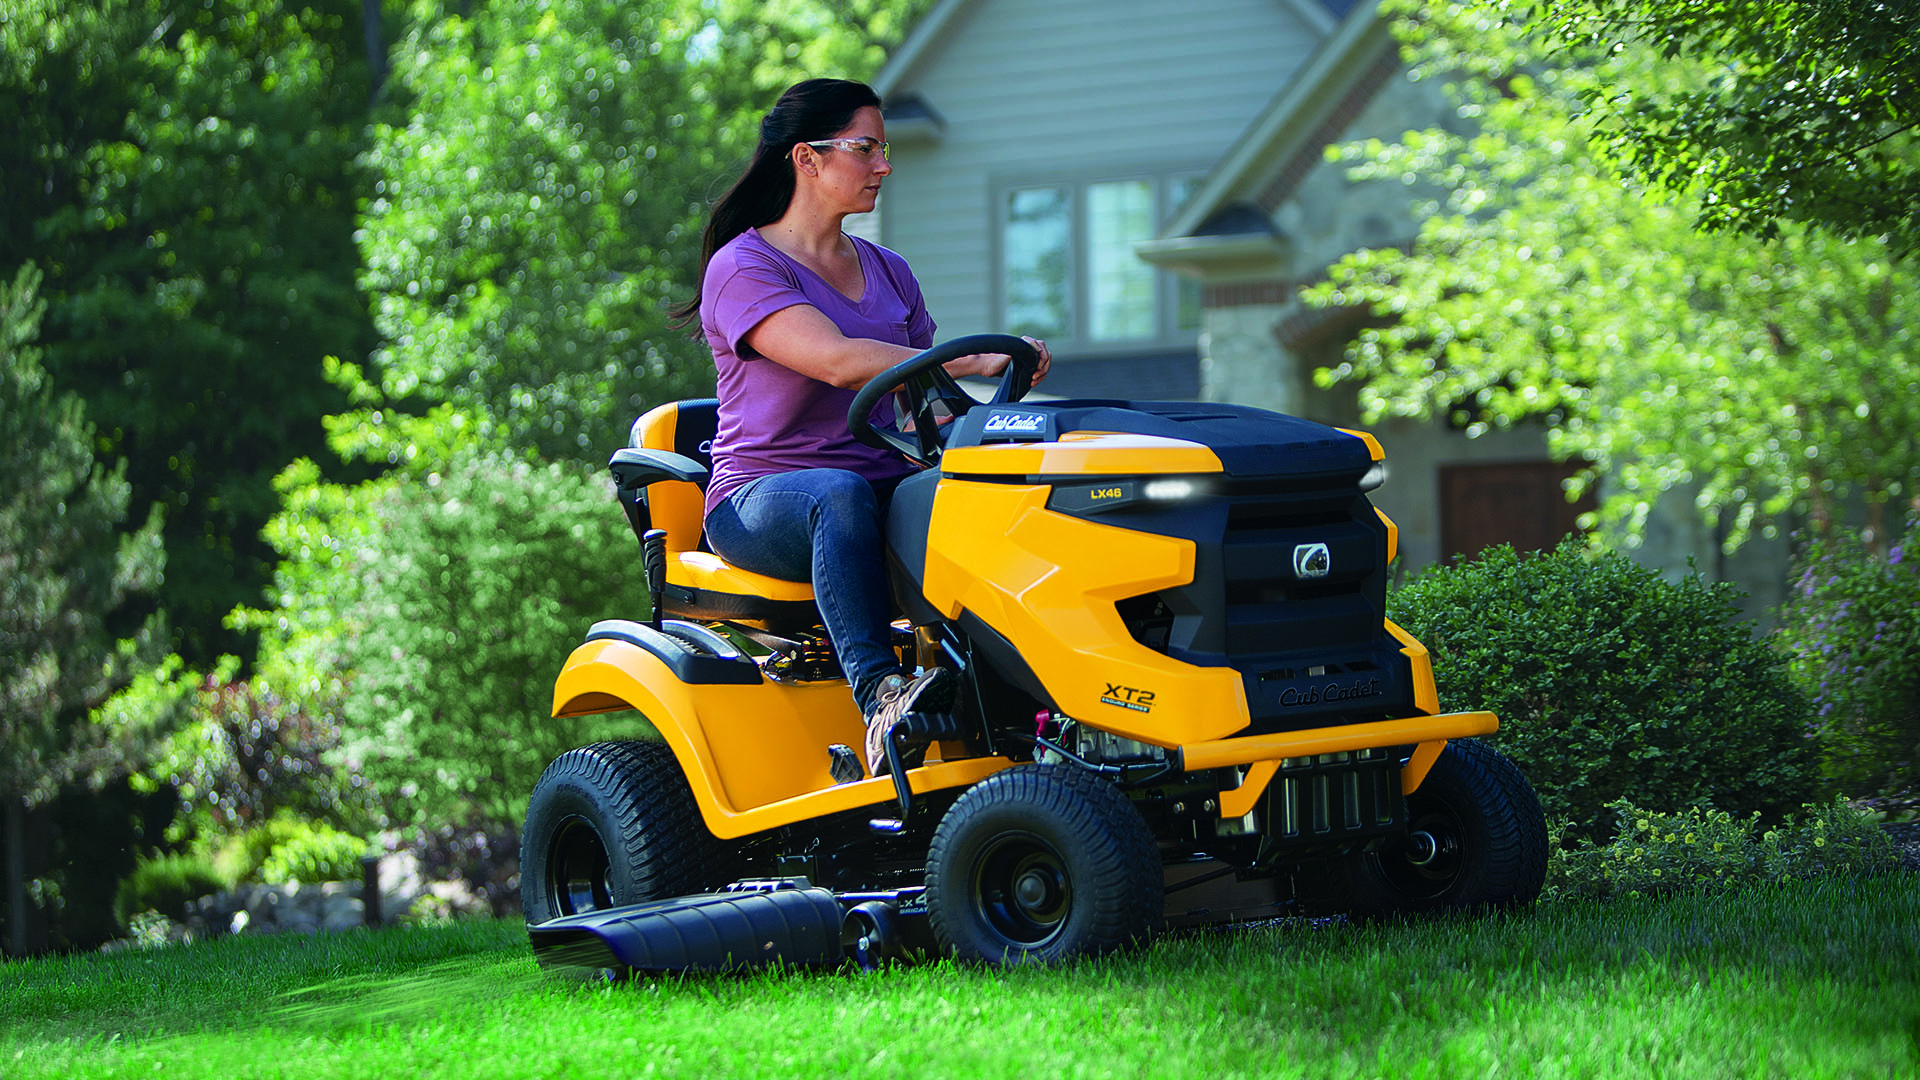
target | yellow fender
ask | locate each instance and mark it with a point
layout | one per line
(754, 755)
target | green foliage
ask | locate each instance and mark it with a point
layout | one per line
(239, 856)
(247, 755)
(438, 610)
(1760, 378)
(1697, 848)
(1813, 116)
(534, 216)
(185, 175)
(1852, 625)
(314, 853)
(1611, 682)
(539, 207)
(66, 578)
(165, 883)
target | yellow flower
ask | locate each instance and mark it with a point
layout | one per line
(1819, 841)
(1690, 838)
(1643, 824)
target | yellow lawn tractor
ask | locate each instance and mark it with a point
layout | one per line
(1181, 703)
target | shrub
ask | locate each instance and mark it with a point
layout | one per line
(1611, 682)
(1655, 853)
(241, 855)
(315, 853)
(165, 883)
(248, 755)
(1852, 625)
(437, 611)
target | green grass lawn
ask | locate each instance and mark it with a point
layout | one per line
(1804, 980)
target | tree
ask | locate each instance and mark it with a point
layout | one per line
(533, 217)
(1765, 377)
(1812, 113)
(185, 176)
(539, 208)
(65, 572)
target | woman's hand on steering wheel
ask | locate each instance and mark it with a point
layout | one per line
(926, 378)
(990, 365)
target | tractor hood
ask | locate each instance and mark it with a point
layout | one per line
(1242, 442)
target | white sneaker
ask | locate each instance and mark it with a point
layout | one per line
(932, 690)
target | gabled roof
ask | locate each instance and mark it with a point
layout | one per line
(931, 31)
(1232, 207)
(920, 42)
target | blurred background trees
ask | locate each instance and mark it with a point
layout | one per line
(185, 176)
(454, 230)
(67, 576)
(1772, 378)
(1812, 116)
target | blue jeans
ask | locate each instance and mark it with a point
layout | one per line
(822, 526)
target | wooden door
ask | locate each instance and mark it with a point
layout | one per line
(1518, 503)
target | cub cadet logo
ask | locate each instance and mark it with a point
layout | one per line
(1016, 423)
(1312, 561)
(1128, 698)
(1108, 493)
(1329, 693)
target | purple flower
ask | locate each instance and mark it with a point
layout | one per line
(1893, 556)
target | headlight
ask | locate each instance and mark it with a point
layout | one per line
(1098, 496)
(1169, 489)
(1374, 476)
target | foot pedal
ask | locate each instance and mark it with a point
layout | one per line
(845, 765)
(924, 727)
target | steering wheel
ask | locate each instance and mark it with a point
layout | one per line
(925, 382)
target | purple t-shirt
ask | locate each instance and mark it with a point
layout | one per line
(772, 418)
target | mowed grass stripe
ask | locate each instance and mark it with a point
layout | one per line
(1803, 980)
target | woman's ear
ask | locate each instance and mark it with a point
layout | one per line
(806, 159)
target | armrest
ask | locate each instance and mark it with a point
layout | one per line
(635, 468)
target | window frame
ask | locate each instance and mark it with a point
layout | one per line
(1079, 338)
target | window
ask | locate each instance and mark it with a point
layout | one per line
(1119, 286)
(1068, 271)
(1036, 262)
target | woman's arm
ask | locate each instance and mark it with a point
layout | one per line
(803, 339)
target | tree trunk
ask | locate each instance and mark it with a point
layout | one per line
(16, 875)
(371, 31)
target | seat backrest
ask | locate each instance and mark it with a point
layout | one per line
(686, 428)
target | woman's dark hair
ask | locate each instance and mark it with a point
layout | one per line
(808, 111)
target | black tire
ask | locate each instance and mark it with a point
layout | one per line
(1476, 839)
(612, 824)
(1042, 863)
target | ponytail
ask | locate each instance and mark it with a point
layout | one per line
(808, 111)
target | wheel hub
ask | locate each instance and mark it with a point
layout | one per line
(1428, 862)
(1036, 890)
(579, 874)
(1021, 890)
(1422, 848)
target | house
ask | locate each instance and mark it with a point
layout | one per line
(1145, 186)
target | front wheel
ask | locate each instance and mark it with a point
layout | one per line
(1476, 838)
(1042, 863)
(613, 824)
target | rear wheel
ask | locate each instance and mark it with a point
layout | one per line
(1475, 838)
(612, 824)
(1042, 863)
